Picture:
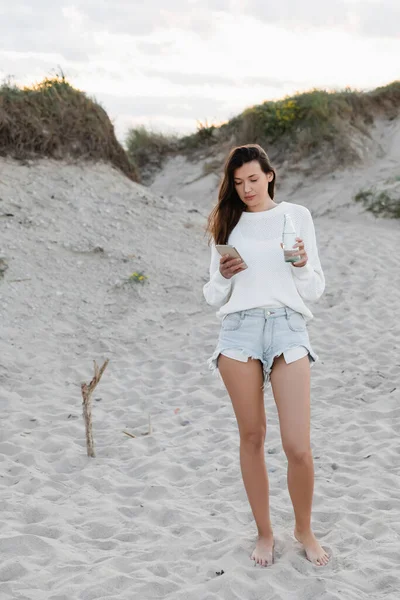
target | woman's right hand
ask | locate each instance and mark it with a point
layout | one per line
(229, 266)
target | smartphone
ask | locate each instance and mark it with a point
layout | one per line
(231, 250)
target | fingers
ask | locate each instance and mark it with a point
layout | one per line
(226, 258)
(299, 244)
(302, 252)
(240, 266)
(230, 266)
(229, 262)
(300, 263)
(303, 261)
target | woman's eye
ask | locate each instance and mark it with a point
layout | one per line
(252, 181)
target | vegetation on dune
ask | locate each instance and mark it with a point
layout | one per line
(53, 119)
(380, 204)
(147, 148)
(310, 118)
(317, 123)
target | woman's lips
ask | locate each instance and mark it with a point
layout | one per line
(250, 197)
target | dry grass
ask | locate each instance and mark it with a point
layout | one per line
(147, 149)
(53, 119)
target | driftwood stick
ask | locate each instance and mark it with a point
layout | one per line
(87, 391)
(17, 280)
(149, 432)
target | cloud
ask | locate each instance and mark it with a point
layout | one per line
(365, 17)
(199, 79)
(47, 25)
(72, 31)
(154, 48)
(137, 18)
(147, 106)
(44, 28)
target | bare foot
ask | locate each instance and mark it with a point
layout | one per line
(314, 551)
(263, 552)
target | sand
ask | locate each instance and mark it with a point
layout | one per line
(166, 515)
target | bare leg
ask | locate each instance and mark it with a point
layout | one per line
(291, 389)
(244, 382)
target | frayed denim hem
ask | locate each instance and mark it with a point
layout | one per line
(212, 361)
(312, 357)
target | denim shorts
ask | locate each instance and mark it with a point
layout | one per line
(263, 333)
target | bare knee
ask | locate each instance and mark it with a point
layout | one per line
(253, 441)
(297, 454)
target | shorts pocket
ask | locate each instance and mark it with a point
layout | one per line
(296, 321)
(231, 321)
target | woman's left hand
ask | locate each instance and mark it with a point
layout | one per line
(302, 252)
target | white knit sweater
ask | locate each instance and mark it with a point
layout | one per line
(268, 281)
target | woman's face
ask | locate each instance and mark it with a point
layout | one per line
(251, 183)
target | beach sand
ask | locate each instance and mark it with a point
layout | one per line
(166, 515)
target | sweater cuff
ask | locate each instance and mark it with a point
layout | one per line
(221, 280)
(302, 272)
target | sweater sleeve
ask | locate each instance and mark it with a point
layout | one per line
(309, 280)
(218, 289)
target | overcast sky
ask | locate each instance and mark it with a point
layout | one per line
(170, 64)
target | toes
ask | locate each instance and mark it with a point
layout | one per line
(263, 562)
(322, 561)
(260, 560)
(325, 558)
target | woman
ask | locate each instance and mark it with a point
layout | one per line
(263, 336)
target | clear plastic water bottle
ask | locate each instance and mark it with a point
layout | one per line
(289, 240)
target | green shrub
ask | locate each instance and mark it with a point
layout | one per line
(316, 121)
(379, 204)
(137, 277)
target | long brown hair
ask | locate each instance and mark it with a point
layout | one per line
(229, 207)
